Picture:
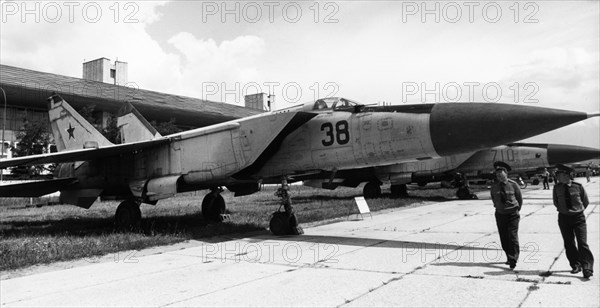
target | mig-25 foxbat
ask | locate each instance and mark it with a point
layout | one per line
(524, 159)
(328, 134)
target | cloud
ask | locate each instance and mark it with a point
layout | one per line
(565, 77)
(233, 61)
(120, 32)
(561, 67)
(107, 29)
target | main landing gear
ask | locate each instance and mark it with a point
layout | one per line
(373, 190)
(128, 215)
(399, 190)
(213, 205)
(464, 191)
(284, 222)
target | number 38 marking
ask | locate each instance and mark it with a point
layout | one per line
(342, 135)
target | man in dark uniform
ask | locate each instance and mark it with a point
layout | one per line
(507, 199)
(571, 200)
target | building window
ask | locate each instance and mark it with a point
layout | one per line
(113, 73)
(16, 117)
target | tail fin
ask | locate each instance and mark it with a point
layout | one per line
(71, 131)
(133, 126)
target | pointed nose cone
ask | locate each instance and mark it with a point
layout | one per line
(466, 127)
(564, 154)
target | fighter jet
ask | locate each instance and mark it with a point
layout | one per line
(525, 159)
(325, 135)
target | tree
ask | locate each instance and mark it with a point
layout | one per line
(87, 113)
(111, 131)
(33, 139)
(166, 128)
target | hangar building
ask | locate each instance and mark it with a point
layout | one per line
(103, 85)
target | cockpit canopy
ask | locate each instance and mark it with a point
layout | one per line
(329, 103)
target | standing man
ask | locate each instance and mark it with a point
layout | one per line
(545, 178)
(507, 199)
(571, 200)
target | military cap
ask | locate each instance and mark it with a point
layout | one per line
(564, 169)
(500, 165)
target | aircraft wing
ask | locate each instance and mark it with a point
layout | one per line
(82, 154)
(276, 140)
(35, 189)
(127, 148)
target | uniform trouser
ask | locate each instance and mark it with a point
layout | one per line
(508, 229)
(546, 184)
(574, 227)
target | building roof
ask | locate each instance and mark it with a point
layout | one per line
(30, 89)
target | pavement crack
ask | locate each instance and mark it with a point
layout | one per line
(548, 273)
(221, 289)
(373, 289)
(474, 277)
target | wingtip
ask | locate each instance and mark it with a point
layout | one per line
(592, 115)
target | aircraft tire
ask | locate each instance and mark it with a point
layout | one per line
(280, 223)
(128, 215)
(463, 193)
(535, 182)
(399, 190)
(372, 190)
(213, 206)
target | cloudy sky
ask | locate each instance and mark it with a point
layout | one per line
(538, 53)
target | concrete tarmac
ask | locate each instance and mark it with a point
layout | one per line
(440, 255)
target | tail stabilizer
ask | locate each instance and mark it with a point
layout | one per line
(71, 131)
(133, 126)
(36, 188)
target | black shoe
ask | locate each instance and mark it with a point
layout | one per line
(587, 273)
(513, 265)
(576, 269)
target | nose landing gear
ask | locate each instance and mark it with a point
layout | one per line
(284, 222)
